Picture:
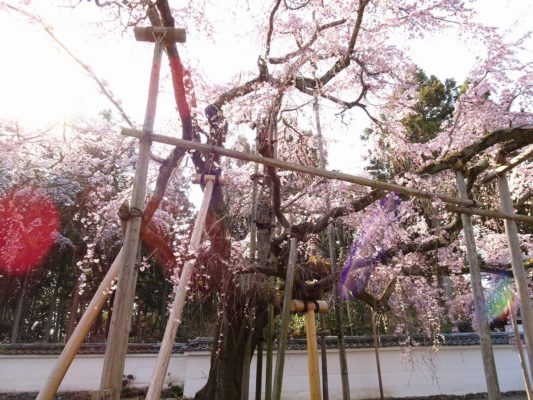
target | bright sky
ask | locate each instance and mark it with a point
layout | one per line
(41, 86)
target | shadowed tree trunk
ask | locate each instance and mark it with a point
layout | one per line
(17, 320)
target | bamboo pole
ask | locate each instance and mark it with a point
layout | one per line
(519, 273)
(375, 334)
(270, 351)
(487, 354)
(174, 319)
(333, 258)
(80, 332)
(324, 358)
(285, 315)
(221, 151)
(312, 354)
(521, 356)
(117, 342)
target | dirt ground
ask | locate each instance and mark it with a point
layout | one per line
(139, 395)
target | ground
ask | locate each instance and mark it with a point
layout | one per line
(168, 395)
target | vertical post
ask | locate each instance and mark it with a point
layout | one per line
(285, 315)
(270, 351)
(259, 370)
(518, 341)
(324, 358)
(312, 354)
(174, 319)
(245, 384)
(489, 365)
(519, 273)
(333, 258)
(117, 342)
(376, 352)
(246, 285)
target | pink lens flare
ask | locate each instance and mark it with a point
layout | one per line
(28, 226)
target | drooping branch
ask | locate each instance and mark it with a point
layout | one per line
(517, 136)
(271, 27)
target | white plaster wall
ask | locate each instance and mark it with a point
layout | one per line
(452, 370)
(27, 373)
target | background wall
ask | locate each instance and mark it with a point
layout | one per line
(420, 371)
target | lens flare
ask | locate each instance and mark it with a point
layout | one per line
(28, 226)
(499, 298)
(366, 254)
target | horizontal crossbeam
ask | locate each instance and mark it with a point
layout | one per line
(151, 33)
(359, 180)
(502, 169)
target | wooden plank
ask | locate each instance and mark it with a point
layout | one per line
(117, 341)
(285, 315)
(187, 144)
(519, 273)
(73, 345)
(312, 355)
(174, 319)
(197, 178)
(487, 354)
(302, 306)
(153, 33)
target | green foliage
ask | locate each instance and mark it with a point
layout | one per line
(434, 106)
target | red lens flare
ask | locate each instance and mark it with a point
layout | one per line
(28, 225)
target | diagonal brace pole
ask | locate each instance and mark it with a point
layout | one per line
(174, 319)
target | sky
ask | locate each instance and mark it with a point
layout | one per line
(41, 86)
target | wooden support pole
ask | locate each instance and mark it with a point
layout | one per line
(375, 334)
(333, 258)
(502, 169)
(312, 354)
(174, 319)
(487, 354)
(521, 356)
(309, 308)
(285, 315)
(80, 333)
(519, 272)
(324, 358)
(270, 351)
(221, 151)
(338, 317)
(117, 341)
(247, 357)
(259, 370)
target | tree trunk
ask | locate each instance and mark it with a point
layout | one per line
(225, 374)
(17, 320)
(73, 315)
